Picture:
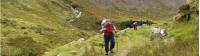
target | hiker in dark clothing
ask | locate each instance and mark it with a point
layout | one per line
(134, 25)
(108, 28)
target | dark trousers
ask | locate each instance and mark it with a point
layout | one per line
(109, 38)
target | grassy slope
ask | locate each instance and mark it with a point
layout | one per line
(179, 42)
(32, 27)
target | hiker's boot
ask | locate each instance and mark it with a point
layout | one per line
(106, 53)
(111, 51)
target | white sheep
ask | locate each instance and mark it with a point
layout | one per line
(157, 32)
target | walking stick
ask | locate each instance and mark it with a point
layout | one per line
(117, 43)
(117, 39)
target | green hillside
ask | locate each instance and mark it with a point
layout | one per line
(29, 28)
(43, 28)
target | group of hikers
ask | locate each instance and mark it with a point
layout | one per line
(135, 24)
(108, 29)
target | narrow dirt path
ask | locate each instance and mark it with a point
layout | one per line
(132, 41)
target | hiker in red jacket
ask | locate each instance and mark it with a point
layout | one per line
(108, 28)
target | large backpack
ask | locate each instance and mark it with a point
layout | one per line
(109, 27)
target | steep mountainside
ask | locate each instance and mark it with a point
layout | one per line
(140, 4)
(148, 8)
(30, 27)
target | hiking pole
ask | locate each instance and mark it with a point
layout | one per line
(117, 44)
(117, 39)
